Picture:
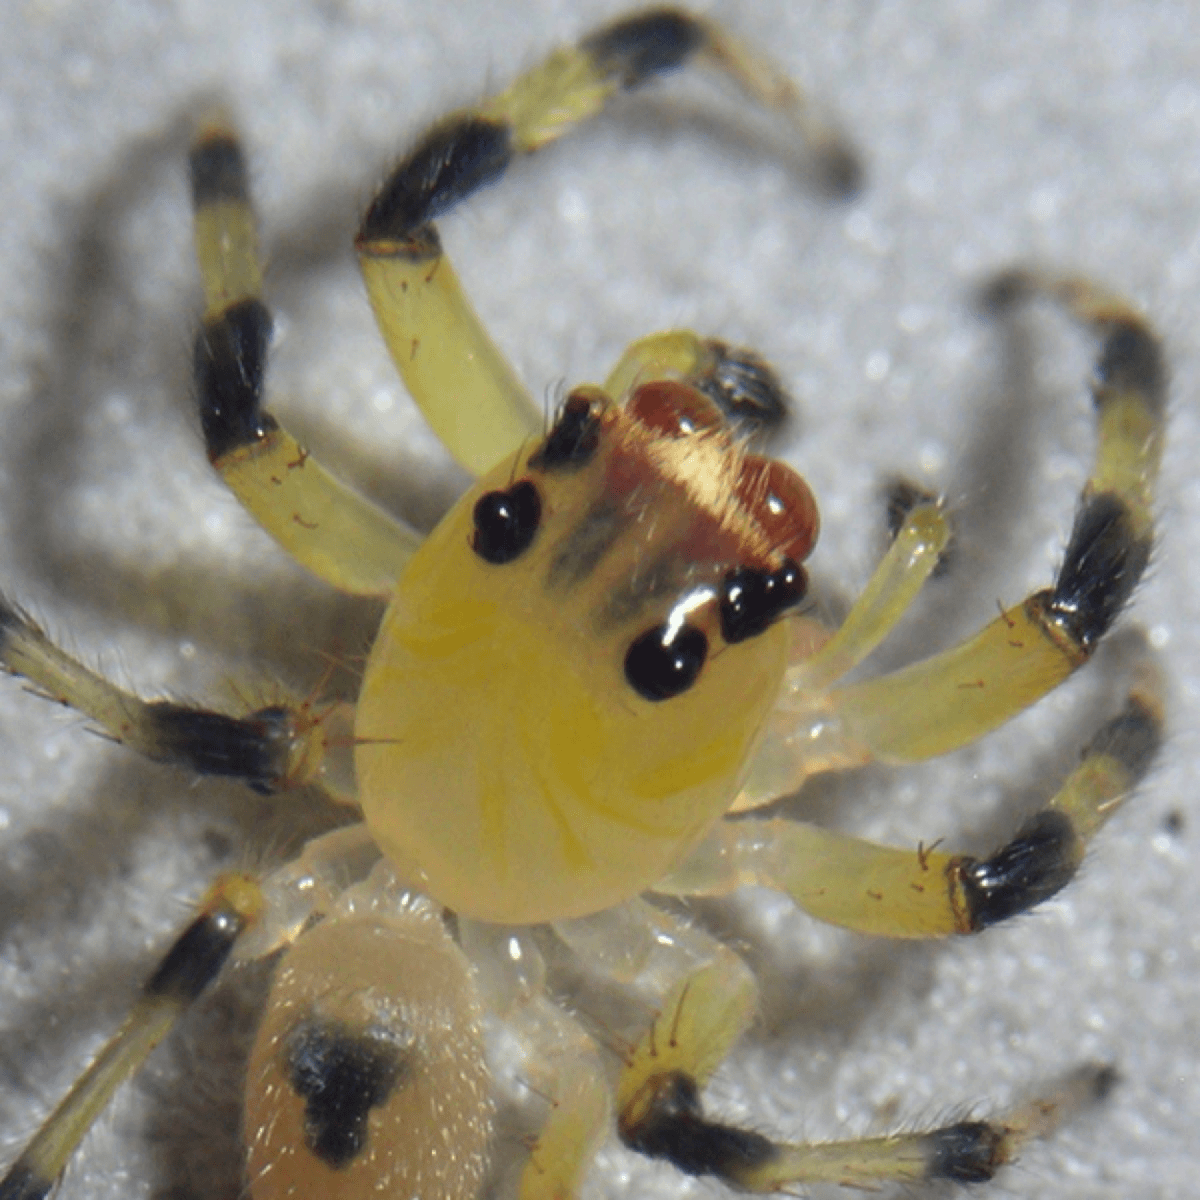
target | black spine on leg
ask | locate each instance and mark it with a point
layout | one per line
(456, 158)
(1035, 865)
(1104, 561)
(253, 749)
(230, 364)
(675, 1129)
(218, 171)
(638, 48)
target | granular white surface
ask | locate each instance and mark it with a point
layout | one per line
(994, 131)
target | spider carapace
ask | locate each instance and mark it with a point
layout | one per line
(585, 681)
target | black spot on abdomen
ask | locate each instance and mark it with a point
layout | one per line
(341, 1074)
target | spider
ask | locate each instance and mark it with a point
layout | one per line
(585, 676)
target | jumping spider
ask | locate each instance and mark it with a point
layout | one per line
(597, 657)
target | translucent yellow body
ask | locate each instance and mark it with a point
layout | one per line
(503, 759)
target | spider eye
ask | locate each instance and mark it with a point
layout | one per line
(506, 522)
(751, 599)
(576, 434)
(665, 661)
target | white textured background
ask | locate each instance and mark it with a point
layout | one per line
(993, 130)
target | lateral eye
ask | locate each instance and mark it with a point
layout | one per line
(506, 522)
(751, 599)
(665, 661)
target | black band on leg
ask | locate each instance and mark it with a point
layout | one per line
(638, 48)
(230, 364)
(456, 158)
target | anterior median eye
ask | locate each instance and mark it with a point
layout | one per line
(752, 599)
(506, 522)
(665, 661)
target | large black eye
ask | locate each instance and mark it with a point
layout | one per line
(665, 661)
(506, 522)
(752, 599)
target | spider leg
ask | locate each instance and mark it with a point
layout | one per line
(270, 750)
(468, 392)
(233, 904)
(928, 893)
(556, 1108)
(704, 999)
(957, 696)
(326, 526)
(739, 381)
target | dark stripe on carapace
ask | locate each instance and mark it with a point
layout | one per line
(230, 363)
(218, 171)
(969, 1152)
(456, 158)
(1132, 361)
(638, 48)
(1104, 561)
(675, 1129)
(341, 1075)
(1035, 865)
(579, 553)
(197, 956)
(253, 749)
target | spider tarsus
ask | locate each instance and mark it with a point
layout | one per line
(900, 497)
(744, 386)
(218, 169)
(639, 48)
(1133, 737)
(1131, 360)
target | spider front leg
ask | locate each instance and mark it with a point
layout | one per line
(327, 527)
(468, 392)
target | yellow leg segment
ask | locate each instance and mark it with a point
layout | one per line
(926, 892)
(232, 905)
(326, 526)
(468, 392)
(801, 738)
(953, 698)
